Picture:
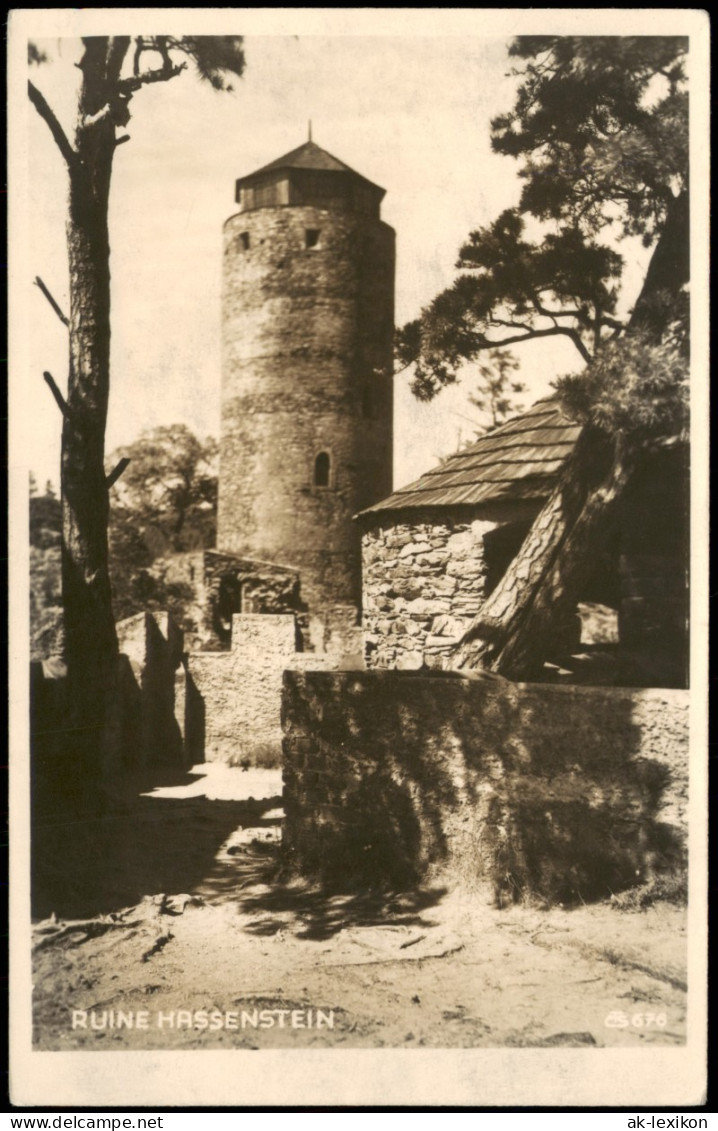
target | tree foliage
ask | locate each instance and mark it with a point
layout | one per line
(635, 388)
(168, 493)
(601, 124)
(164, 503)
(45, 518)
(600, 128)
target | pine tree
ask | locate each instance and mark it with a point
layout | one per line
(601, 127)
(113, 70)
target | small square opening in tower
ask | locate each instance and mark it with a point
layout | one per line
(311, 237)
(244, 241)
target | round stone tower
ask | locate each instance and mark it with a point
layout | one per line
(307, 324)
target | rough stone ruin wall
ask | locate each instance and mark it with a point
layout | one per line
(424, 580)
(201, 578)
(242, 689)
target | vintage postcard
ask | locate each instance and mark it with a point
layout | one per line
(358, 560)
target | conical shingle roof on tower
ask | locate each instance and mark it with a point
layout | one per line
(308, 175)
(307, 156)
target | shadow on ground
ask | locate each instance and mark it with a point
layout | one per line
(317, 914)
(139, 846)
(223, 851)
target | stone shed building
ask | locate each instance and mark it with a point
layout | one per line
(434, 550)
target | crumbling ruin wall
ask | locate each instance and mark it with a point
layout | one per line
(336, 629)
(211, 586)
(155, 703)
(242, 689)
(561, 793)
(155, 716)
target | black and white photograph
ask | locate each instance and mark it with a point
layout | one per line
(358, 630)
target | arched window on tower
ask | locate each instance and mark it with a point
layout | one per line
(321, 470)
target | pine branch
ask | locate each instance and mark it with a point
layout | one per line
(117, 471)
(139, 48)
(548, 333)
(407, 365)
(494, 321)
(544, 310)
(513, 339)
(130, 85)
(43, 108)
(59, 399)
(612, 323)
(58, 310)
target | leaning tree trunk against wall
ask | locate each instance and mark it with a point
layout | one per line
(519, 623)
(668, 272)
(515, 629)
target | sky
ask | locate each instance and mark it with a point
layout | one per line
(411, 113)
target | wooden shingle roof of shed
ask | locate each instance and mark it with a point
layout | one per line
(519, 460)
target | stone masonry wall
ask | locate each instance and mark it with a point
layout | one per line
(242, 689)
(560, 793)
(424, 579)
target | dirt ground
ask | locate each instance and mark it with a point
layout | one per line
(174, 933)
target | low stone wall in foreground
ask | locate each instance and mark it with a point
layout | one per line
(560, 793)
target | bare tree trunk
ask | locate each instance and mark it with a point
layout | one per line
(90, 638)
(91, 649)
(667, 274)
